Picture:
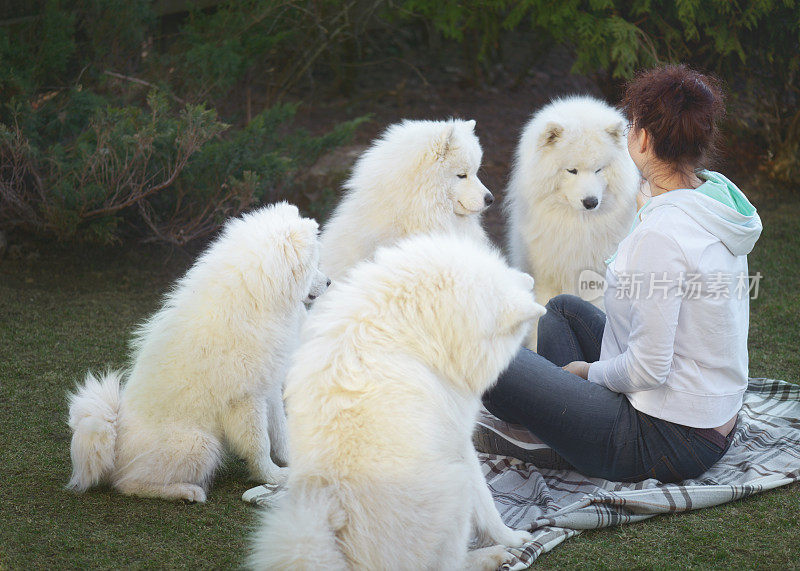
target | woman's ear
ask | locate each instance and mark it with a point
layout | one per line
(644, 140)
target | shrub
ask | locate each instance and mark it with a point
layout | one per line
(165, 175)
(273, 45)
(85, 157)
(121, 160)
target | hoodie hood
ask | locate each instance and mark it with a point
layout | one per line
(719, 207)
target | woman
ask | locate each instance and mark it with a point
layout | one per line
(652, 388)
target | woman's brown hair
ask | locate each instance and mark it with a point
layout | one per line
(679, 108)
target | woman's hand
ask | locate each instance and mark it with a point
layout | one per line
(580, 368)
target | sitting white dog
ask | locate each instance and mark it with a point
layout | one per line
(571, 196)
(382, 397)
(418, 177)
(208, 366)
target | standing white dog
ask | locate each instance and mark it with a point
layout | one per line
(571, 197)
(209, 365)
(418, 177)
(382, 397)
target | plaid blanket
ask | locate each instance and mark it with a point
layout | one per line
(558, 503)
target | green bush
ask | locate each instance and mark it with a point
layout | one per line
(161, 173)
(86, 185)
(271, 45)
(89, 153)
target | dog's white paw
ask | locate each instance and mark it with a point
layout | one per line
(192, 493)
(488, 558)
(513, 537)
(275, 475)
(175, 491)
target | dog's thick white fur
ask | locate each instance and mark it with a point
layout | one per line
(207, 368)
(572, 193)
(381, 399)
(418, 177)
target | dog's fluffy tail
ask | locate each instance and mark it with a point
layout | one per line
(93, 411)
(300, 533)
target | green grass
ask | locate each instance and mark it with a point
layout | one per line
(67, 311)
(60, 315)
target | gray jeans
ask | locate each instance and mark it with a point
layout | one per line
(591, 427)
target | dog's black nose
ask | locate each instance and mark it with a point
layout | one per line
(328, 283)
(488, 198)
(589, 203)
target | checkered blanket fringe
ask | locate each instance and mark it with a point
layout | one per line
(558, 504)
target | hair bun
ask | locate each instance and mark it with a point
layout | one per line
(679, 108)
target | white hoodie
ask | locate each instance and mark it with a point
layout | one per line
(677, 306)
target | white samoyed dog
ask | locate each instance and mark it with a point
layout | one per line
(382, 397)
(418, 177)
(571, 197)
(207, 367)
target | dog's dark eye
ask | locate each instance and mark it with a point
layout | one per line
(462, 176)
(598, 170)
(572, 171)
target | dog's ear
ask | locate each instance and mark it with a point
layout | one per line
(441, 142)
(470, 124)
(299, 242)
(552, 132)
(616, 131)
(515, 314)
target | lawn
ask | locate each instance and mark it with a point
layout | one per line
(63, 311)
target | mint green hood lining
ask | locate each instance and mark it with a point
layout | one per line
(722, 190)
(718, 188)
